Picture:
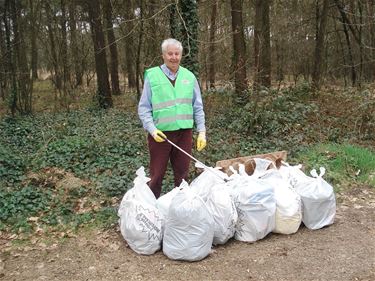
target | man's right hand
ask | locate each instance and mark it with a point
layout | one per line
(158, 136)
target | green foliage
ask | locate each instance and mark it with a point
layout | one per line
(104, 148)
(27, 201)
(345, 163)
(273, 121)
(12, 166)
(106, 217)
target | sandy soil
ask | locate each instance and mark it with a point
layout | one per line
(343, 251)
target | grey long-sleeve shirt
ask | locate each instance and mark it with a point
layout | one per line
(145, 105)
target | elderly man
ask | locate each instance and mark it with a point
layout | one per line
(170, 106)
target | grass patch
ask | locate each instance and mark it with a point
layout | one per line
(345, 163)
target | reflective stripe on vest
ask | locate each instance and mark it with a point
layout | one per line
(173, 118)
(172, 106)
(172, 102)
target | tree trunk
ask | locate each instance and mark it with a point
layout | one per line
(24, 97)
(371, 34)
(279, 48)
(353, 28)
(74, 49)
(129, 45)
(342, 51)
(10, 61)
(262, 46)
(239, 52)
(103, 91)
(211, 50)
(174, 23)
(189, 40)
(3, 60)
(319, 46)
(115, 84)
(138, 58)
(347, 38)
(33, 34)
(360, 35)
(152, 52)
(56, 76)
(64, 56)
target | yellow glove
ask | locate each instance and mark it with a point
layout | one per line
(201, 141)
(157, 135)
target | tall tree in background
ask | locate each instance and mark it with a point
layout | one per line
(211, 49)
(239, 52)
(262, 46)
(115, 84)
(138, 74)
(128, 34)
(9, 61)
(53, 51)
(53, 37)
(24, 87)
(152, 48)
(104, 90)
(344, 22)
(64, 55)
(3, 54)
(319, 45)
(34, 26)
(74, 48)
(371, 39)
(189, 34)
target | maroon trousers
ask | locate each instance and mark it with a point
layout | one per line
(162, 152)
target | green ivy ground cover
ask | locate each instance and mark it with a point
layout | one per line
(99, 152)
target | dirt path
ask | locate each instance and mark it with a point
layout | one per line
(343, 251)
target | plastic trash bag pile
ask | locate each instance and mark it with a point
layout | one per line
(215, 207)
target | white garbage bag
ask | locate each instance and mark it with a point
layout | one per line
(223, 210)
(141, 223)
(288, 203)
(256, 206)
(164, 201)
(293, 174)
(202, 184)
(318, 200)
(189, 228)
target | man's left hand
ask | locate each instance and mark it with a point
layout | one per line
(201, 141)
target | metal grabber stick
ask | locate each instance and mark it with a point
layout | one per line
(193, 158)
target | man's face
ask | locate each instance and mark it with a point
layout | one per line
(172, 57)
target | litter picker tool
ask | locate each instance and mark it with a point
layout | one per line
(193, 158)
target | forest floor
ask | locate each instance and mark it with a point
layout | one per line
(342, 251)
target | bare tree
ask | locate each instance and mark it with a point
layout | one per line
(74, 48)
(139, 47)
(104, 90)
(239, 52)
(107, 7)
(319, 47)
(128, 33)
(34, 26)
(211, 50)
(348, 42)
(24, 83)
(262, 46)
(51, 19)
(189, 34)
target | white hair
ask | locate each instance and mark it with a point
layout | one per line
(170, 42)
